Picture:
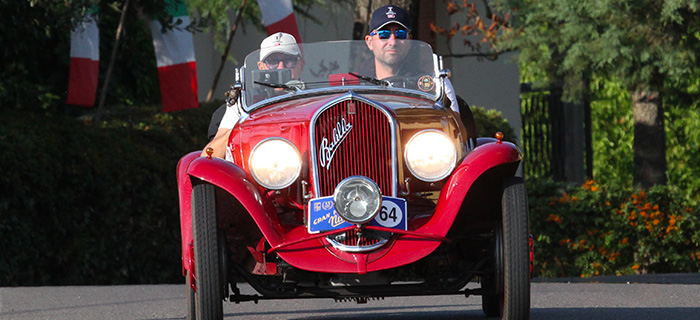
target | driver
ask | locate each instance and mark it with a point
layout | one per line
(278, 51)
(390, 28)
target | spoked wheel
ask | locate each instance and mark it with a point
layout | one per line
(511, 279)
(208, 294)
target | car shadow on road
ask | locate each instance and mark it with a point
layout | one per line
(405, 313)
(370, 313)
(674, 313)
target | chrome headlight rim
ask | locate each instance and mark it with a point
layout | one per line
(375, 192)
(265, 184)
(448, 170)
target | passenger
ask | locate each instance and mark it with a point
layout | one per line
(278, 51)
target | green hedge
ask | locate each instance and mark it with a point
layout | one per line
(93, 206)
(606, 227)
(490, 121)
(595, 230)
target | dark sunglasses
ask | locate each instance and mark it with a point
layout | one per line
(386, 34)
(288, 62)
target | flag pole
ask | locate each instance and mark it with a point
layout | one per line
(103, 93)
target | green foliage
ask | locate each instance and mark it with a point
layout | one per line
(35, 47)
(613, 137)
(135, 74)
(641, 43)
(595, 230)
(683, 149)
(90, 206)
(612, 130)
(35, 52)
(214, 15)
(490, 121)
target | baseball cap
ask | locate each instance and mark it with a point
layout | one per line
(389, 14)
(279, 42)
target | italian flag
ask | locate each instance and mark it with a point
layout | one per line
(84, 61)
(177, 69)
(278, 16)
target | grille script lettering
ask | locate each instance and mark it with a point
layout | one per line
(327, 148)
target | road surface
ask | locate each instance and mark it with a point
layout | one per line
(660, 297)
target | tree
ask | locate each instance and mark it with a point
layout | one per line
(215, 16)
(31, 42)
(35, 52)
(648, 45)
(35, 47)
(481, 31)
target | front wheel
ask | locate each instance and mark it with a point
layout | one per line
(511, 278)
(208, 294)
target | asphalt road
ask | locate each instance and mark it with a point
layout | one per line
(654, 297)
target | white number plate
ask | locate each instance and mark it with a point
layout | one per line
(323, 217)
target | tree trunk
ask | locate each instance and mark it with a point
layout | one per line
(649, 139)
(103, 93)
(226, 51)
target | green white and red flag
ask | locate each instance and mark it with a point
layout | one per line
(84, 61)
(177, 69)
(278, 16)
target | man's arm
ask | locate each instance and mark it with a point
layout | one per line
(218, 143)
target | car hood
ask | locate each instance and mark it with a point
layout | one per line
(302, 110)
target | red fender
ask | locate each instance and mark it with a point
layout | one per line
(236, 182)
(184, 186)
(478, 161)
(233, 180)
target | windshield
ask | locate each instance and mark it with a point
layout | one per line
(410, 65)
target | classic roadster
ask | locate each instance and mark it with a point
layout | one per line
(340, 185)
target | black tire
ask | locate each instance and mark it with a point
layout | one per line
(511, 279)
(191, 301)
(208, 296)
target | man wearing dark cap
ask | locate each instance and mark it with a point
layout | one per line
(389, 27)
(390, 30)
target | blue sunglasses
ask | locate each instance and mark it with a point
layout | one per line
(386, 34)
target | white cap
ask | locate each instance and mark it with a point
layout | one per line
(279, 42)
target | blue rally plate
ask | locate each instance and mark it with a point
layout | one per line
(323, 217)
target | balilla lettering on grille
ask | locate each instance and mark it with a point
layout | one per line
(328, 149)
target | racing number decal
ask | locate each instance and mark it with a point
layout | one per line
(390, 215)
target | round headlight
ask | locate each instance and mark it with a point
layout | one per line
(275, 163)
(430, 155)
(357, 199)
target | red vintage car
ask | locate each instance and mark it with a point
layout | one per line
(343, 186)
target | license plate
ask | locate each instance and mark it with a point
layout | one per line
(323, 217)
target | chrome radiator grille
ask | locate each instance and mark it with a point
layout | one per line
(353, 137)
